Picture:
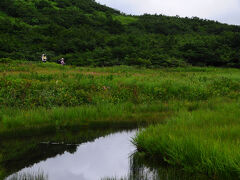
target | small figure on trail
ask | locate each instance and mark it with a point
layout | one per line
(62, 61)
(44, 58)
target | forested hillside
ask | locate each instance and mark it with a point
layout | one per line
(87, 33)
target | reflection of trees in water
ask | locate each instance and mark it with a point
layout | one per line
(144, 169)
(19, 155)
(24, 152)
(28, 176)
(138, 169)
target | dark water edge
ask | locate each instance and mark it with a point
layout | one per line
(105, 154)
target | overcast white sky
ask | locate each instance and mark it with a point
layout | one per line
(226, 11)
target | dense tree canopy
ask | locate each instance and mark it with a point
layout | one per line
(87, 33)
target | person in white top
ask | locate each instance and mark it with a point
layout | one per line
(44, 58)
(62, 61)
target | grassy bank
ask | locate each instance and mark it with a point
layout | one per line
(205, 140)
(41, 120)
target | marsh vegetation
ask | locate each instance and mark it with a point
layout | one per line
(194, 111)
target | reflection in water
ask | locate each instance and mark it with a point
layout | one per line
(145, 169)
(19, 153)
(106, 158)
(29, 176)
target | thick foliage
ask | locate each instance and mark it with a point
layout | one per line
(87, 33)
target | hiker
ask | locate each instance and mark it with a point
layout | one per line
(44, 58)
(62, 61)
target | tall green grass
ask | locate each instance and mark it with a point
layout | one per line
(49, 85)
(18, 121)
(205, 140)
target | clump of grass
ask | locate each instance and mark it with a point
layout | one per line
(204, 141)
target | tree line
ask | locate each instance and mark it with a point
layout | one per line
(86, 33)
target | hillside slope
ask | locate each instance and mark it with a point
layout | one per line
(87, 33)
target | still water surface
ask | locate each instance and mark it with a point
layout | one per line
(109, 157)
(105, 157)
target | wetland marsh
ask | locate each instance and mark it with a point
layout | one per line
(193, 113)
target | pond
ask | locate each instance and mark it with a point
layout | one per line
(108, 157)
